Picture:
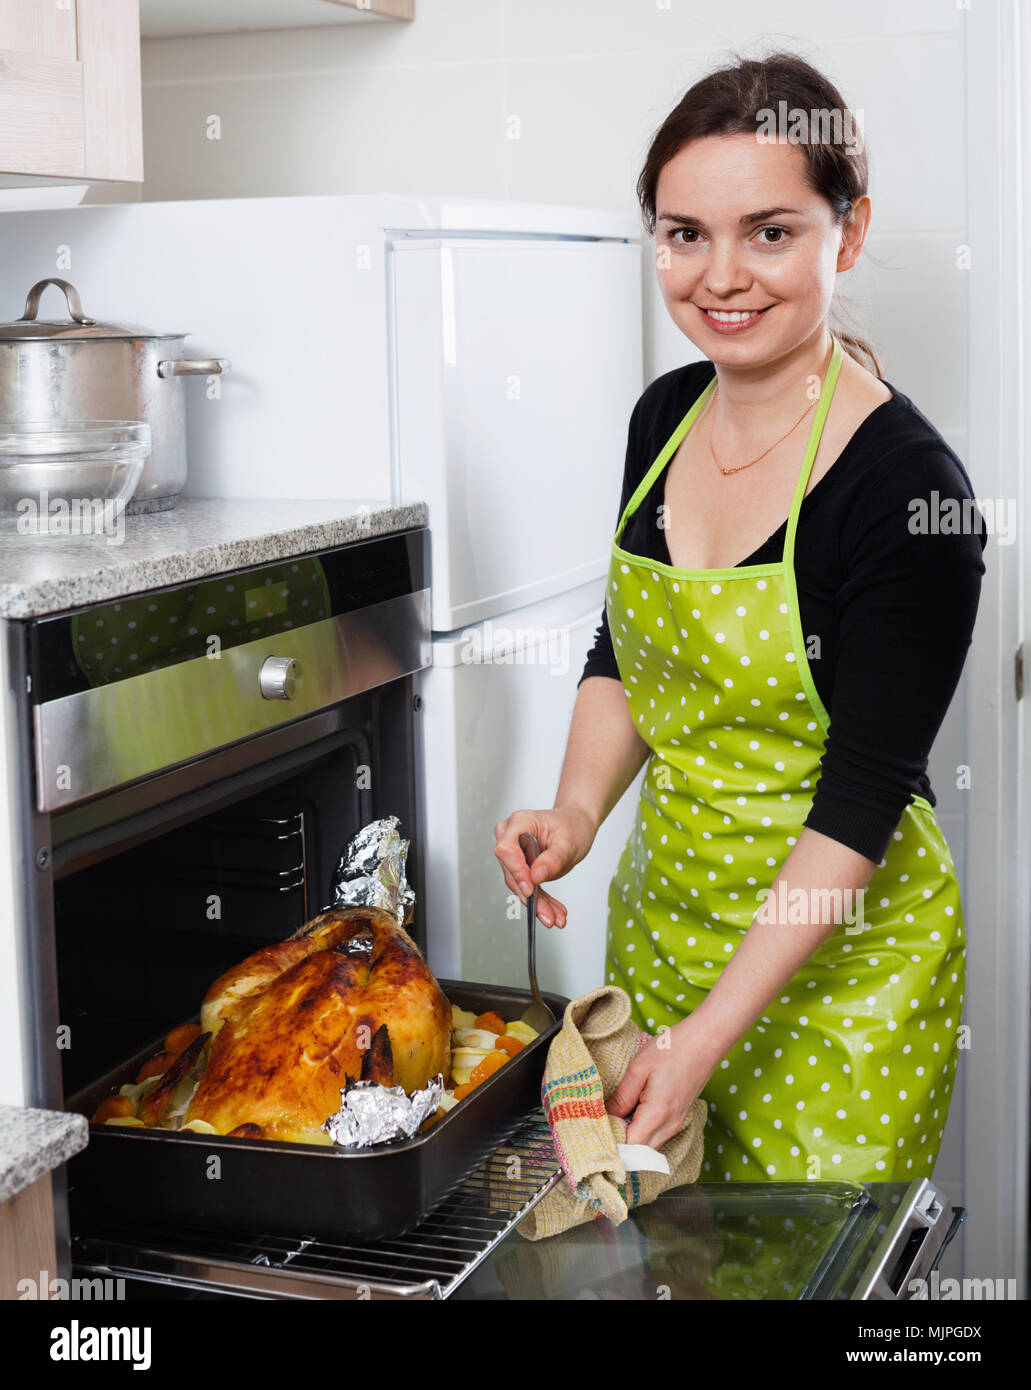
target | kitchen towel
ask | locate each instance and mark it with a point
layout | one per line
(586, 1061)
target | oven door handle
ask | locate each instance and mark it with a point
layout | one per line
(912, 1245)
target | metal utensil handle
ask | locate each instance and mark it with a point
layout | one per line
(530, 846)
(71, 295)
(202, 366)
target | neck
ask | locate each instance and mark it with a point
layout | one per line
(754, 401)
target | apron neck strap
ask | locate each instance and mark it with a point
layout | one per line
(826, 395)
(669, 449)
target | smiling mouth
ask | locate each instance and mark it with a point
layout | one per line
(732, 316)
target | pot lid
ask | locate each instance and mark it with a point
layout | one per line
(77, 325)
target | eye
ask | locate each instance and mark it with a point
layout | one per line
(782, 232)
(689, 231)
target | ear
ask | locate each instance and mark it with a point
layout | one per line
(853, 232)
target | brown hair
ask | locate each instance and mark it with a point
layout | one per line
(731, 100)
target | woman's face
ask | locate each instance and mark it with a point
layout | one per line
(738, 228)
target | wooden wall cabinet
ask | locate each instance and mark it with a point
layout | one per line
(70, 102)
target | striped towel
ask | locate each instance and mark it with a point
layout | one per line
(586, 1061)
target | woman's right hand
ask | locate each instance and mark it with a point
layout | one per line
(564, 834)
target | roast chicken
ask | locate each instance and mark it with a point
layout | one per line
(349, 997)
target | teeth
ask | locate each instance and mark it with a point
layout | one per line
(736, 317)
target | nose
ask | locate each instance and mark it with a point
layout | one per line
(724, 273)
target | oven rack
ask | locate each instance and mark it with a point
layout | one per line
(250, 830)
(428, 1263)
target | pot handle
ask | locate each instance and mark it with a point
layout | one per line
(204, 366)
(71, 295)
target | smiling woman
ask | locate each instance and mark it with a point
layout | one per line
(829, 174)
(779, 647)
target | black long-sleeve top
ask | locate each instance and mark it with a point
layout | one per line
(889, 578)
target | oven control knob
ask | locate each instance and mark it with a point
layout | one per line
(279, 678)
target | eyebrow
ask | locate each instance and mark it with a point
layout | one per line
(749, 217)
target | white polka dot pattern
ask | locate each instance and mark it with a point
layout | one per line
(850, 1071)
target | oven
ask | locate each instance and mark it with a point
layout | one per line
(193, 760)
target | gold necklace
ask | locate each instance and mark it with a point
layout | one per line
(727, 471)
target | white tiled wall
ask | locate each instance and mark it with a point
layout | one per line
(556, 100)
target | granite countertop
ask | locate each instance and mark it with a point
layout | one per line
(198, 537)
(34, 1142)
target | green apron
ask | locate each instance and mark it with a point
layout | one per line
(849, 1073)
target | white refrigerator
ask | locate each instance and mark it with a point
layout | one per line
(482, 357)
(518, 362)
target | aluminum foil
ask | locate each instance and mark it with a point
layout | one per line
(371, 871)
(373, 1114)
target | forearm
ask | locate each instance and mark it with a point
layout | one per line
(821, 880)
(604, 752)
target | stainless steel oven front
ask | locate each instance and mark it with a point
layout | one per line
(191, 762)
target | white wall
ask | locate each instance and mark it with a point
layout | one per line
(556, 100)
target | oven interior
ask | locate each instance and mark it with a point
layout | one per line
(141, 934)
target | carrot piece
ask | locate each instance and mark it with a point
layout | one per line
(153, 1107)
(509, 1045)
(181, 1036)
(114, 1107)
(490, 1064)
(490, 1022)
(155, 1066)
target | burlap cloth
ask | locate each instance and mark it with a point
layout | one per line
(587, 1060)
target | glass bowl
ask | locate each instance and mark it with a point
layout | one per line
(69, 477)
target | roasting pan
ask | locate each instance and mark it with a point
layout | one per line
(205, 1181)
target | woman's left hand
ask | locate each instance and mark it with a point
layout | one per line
(662, 1083)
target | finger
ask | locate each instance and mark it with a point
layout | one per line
(549, 910)
(664, 1124)
(627, 1093)
(553, 860)
(513, 887)
(556, 911)
(518, 892)
(508, 829)
(650, 1125)
(508, 853)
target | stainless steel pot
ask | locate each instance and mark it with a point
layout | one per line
(79, 369)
